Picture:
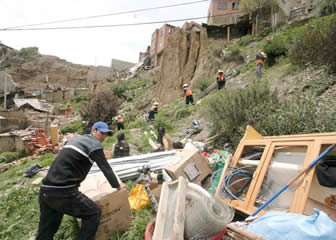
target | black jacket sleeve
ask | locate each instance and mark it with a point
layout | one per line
(99, 157)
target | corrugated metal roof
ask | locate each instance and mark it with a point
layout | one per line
(34, 103)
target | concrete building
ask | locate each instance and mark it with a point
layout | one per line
(159, 42)
(223, 12)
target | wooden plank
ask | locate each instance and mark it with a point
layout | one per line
(238, 153)
(178, 226)
(171, 212)
(245, 234)
(258, 177)
(251, 134)
(306, 136)
(328, 141)
(304, 183)
(226, 166)
(161, 214)
(239, 205)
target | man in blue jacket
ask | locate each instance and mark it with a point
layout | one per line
(59, 193)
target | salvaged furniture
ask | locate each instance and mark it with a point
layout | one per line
(282, 157)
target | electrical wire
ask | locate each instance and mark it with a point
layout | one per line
(104, 15)
(113, 25)
(243, 175)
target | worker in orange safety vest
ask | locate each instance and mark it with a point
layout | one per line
(220, 79)
(68, 110)
(120, 122)
(188, 95)
(260, 57)
(154, 110)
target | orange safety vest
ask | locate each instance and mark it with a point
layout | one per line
(68, 110)
(120, 120)
(188, 93)
(220, 78)
(260, 61)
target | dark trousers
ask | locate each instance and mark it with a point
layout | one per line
(151, 114)
(120, 125)
(220, 85)
(259, 70)
(189, 99)
(54, 203)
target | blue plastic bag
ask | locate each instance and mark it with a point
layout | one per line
(291, 226)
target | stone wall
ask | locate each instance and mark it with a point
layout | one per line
(12, 124)
(11, 143)
(12, 114)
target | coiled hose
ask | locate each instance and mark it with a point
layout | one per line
(240, 174)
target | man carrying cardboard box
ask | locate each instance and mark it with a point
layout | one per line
(59, 193)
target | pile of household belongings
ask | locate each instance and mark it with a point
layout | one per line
(273, 180)
(181, 216)
(256, 172)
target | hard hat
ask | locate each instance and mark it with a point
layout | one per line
(156, 103)
(185, 85)
(263, 53)
(220, 71)
(119, 116)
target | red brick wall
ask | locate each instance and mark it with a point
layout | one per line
(154, 42)
(160, 38)
(164, 32)
(219, 7)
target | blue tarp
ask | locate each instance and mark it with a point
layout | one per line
(291, 226)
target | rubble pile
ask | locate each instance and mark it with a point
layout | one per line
(36, 141)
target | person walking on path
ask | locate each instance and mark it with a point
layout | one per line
(121, 148)
(220, 79)
(120, 122)
(154, 110)
(188, 95)
(260, 57)
(59, 192)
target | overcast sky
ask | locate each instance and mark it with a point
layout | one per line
(90, 46)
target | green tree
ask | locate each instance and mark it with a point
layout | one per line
(254, 8)
(102, 106)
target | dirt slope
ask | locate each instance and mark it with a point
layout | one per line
(188, 58)
(33, 71)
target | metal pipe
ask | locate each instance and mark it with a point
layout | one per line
(5, 92)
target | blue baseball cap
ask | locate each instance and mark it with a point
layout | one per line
(102, 127)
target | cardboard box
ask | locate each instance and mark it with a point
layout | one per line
(157, 193)
(190, 164)
(116, 212)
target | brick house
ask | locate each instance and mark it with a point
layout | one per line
(223, 12)
(159, 42)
